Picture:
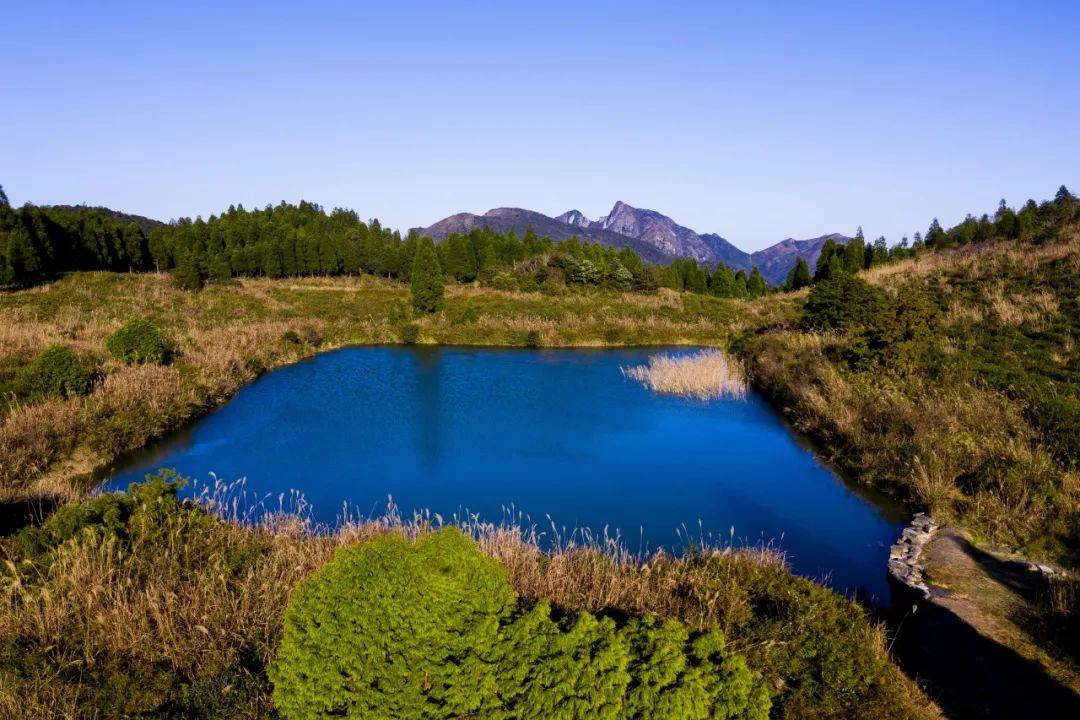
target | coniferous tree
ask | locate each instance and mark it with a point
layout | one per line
(4, 202)
(855, 253)
(697, 280)
(828, 251)
(755, 284)
(722, 282)
(188, 274)
(741, 289)
(799, 276)
(917, 244)
(427, 282)
(878, 253)
(935, 236)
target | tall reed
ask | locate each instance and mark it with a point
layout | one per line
(706, 375)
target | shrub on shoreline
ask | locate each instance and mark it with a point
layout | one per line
(139, 341)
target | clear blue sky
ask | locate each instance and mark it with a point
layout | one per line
(758, 121)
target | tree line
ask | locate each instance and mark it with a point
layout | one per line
(1033, 222)
(290, 240)
(36, 243)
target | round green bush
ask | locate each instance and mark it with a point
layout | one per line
(392, 629)
(432, 629)
(139, 341)
(57, 372)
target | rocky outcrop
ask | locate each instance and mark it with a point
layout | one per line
(904, 566)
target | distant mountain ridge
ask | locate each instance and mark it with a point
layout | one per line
(656, 237)
(519, 220)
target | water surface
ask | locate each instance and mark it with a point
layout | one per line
(557, 433)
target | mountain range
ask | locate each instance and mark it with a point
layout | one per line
(654, 236)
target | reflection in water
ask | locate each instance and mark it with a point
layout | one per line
(551, 433)
(428, 405)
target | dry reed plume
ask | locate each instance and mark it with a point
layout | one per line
(705, 375)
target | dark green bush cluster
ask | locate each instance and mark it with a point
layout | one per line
(57, 372)
(139, 341)
(432, 629)
(139, 512)
(843, 302)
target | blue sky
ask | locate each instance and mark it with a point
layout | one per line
(759, 121)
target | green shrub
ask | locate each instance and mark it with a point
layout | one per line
(392, 629)
(139, 341)
(57, 372)
(291, 337)
(503, 281)
(138, 516)
(410, 334)
(843, 302)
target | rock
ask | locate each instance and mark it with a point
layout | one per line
(904, 554)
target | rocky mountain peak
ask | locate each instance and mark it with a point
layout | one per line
(655, 236)
(575, 218)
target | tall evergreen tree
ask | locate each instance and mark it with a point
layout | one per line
(188, 274)
(855, 253)
(4, 202)
(878, 253)
(755, 284)
(722, 282)
(799, 275)
(828, 251)
(741, 289)
(427, 281)
(935, 236)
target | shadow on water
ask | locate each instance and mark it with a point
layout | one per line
(968, 674)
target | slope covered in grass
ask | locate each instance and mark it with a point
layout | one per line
(961, 393)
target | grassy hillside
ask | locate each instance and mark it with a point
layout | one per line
(962, 394)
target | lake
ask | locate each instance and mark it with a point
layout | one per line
(557, 434)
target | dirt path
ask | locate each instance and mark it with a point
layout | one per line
(974, 642)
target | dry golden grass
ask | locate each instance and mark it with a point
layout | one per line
(705, 375)
(974, 261)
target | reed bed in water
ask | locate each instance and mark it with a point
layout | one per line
(706, 375)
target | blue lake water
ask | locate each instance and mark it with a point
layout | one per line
(557, 433)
